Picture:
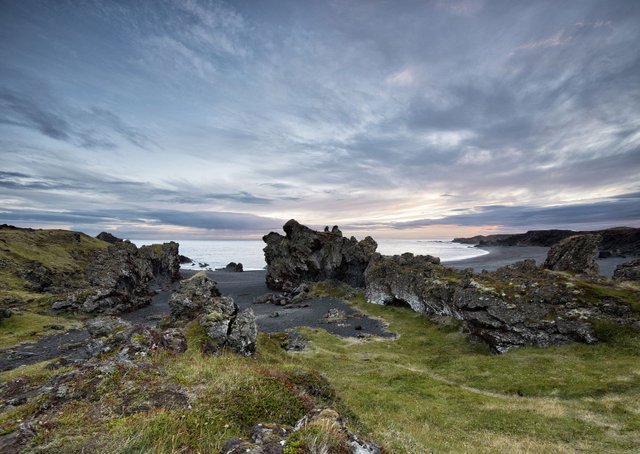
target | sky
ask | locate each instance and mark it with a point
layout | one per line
(400, 119)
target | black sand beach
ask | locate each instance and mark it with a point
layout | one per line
(244, 287)
(499, 256)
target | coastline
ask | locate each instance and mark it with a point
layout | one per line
(499, 256)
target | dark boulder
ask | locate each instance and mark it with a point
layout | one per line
(118, 281)
(307, 255)
(109, 238)
(164, 261)
(193, 297)
(199, 298)
(232, 267)
(184, 259)
(629, 271)
(5, 313)
(576, 254)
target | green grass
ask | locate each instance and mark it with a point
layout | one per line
(627, 293)
(58, 250)
(430, 390)
(62, 254)
(24, 327)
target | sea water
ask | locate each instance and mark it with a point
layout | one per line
(218, 253)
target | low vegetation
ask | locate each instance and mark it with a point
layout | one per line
(429, 390)
(25, 327)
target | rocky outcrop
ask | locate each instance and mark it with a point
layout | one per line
(108, 238)
(198, 297)
(131, 342)
(184, 259)
(164, 261)
(518, 305)
(307, 255)
(576, 254)
(120, 277)
(232, 267)
(321, 430)
(195, 296)
(629, 271)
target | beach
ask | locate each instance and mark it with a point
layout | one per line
(499, 256)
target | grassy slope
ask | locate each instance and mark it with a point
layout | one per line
(427, 391)
(62, 253)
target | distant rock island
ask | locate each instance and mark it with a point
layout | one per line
(616, 242)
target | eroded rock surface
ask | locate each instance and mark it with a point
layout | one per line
(576, 254)
(629, 271)
(131, 342)
(121, 276)
(198, 297)
(517, 305)
(304, 254)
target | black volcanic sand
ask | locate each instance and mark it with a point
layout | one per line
(244, 287)
(499, 256)
(71, 345)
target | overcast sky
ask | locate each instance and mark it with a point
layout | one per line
(209, 119)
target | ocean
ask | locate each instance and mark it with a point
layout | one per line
(217, 253)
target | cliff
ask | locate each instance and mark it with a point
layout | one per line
(617, 241)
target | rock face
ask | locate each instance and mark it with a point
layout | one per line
(307, 255)
(131, 342)
(121, 275)
(274, 439)
(198, 297)
(164, 261)
(518, 305)
(629, 271)
(576, 254)
(195, 296)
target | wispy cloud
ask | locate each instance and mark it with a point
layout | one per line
(368, 113)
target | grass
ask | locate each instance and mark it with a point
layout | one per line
(427, 391)
(627, 293)
(61, 256)
(431, 390)
(59, 250)
(23, 327)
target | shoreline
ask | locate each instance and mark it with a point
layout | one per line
(499, 256)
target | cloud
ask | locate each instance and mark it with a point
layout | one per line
(210, 221)
(365, 112)
(619, 210)
(33, 105)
